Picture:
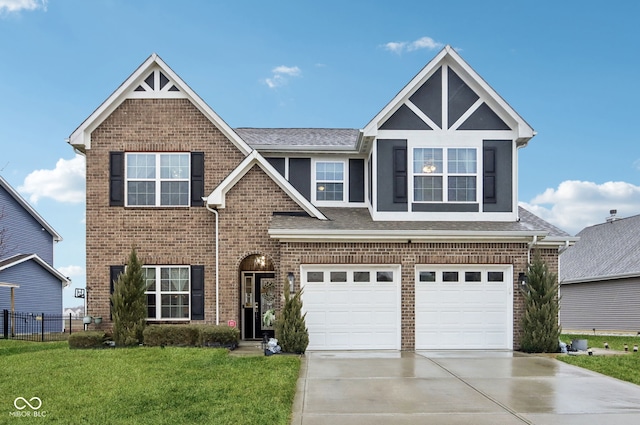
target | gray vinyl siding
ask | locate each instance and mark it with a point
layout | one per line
(39, 291)
(24, 234)
(607, 305)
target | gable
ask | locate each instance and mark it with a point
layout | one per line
(25, 231)
(462, 106)
(447, 95)
(217, 198)
(152, 80)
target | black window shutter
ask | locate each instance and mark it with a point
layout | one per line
(116, 179)
(489, 175)
(114, 272)
(197, 179)
(356, 180)
(400, 174)
(197, 292)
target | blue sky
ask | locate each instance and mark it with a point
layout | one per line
(569, 68)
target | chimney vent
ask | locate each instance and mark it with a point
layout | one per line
(612, 217)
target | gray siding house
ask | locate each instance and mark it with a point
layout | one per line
(600, 278)
(26, 258)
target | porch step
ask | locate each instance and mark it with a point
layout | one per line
(248, 348)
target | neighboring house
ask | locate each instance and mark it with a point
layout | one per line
(405, 234)
(600, 278)
(26, 258)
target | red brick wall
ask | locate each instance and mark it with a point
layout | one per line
(408, 255)
(171, 236)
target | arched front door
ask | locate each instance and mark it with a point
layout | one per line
(257, 297)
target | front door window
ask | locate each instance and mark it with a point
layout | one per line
(258, 297)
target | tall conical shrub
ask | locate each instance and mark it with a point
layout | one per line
(291, 330)
(540, 326)
(129, 310)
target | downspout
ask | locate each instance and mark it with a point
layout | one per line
(531, 245)
(215, 212)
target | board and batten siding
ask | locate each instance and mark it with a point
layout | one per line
(607, 305)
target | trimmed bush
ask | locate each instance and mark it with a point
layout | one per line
(219, 336)
(171, 335)
(191, 336)
(89, 339)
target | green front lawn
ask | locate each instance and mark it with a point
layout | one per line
(145, 385)
(624, 367)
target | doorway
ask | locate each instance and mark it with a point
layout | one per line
(258, 298)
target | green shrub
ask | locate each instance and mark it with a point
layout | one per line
(291, 330)
(129, 302)
(89, 339)
(540, 327)
(219, 336)
(172, 335)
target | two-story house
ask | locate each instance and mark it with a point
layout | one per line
(404, 234)
(29, 283)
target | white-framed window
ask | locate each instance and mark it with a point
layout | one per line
(168, 292)
(330, 181)
(445, 175)
(157, 179)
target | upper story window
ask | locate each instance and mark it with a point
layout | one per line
(168, 292)
(157, 179)
(445, 175)
(329, 181)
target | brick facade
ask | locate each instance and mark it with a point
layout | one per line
(186, 235)
(408, 255)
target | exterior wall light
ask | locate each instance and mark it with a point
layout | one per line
(522, 278)
(292, 280)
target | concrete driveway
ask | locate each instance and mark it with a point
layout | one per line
(340, 388)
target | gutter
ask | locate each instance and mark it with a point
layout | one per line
(316, 235)
(215, 212)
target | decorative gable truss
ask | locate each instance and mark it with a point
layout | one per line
(445, 102)
(448, 95)
(157, 84)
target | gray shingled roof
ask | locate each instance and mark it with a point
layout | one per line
(604, 251)
(301, 137)
(359, 219)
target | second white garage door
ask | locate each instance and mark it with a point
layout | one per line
(464, 307)
(352, 307)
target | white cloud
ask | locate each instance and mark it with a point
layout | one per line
(280, 74)
(395, 47)
(71, 271)
(425, 43)
(65, 183)
(575, 205)
(399, 47)
(18, 5)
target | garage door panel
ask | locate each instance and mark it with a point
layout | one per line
(337, 317)
(355, 315)
(464, 315)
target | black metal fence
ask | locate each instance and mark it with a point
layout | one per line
(38, 326)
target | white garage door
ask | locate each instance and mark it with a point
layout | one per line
(352, 307)
(468, 307)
